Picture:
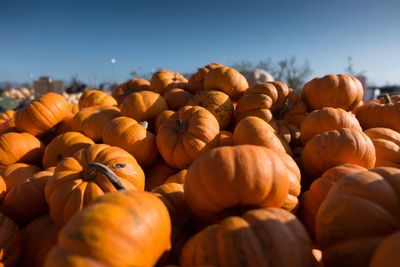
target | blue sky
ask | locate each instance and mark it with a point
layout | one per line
(64, 38)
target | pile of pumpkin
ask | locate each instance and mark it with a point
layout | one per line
(203, 172)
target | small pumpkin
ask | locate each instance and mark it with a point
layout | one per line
(218, 103)
(387, 253)
(163, 79)
(187, 134)
(42, 114)
(16, 173)
(136, 225)
(95, 97)
(92, 120)
(133, 137)
(289, 132)
(333, 90)
(10, 241)
(64, 145)
(163, 116)
(157, 174)
(196, 81)
(130, 86)
(227, 80)
(225, 138)
(90, 173)
(7, 123)
(176, 97)
(178, 178)
(3, 189)
(20, 147)
(143, 106)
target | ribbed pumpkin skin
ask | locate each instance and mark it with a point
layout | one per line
(387, 253)
(227, 80)
(20, 147)
(178, 178)
(43, 114)
(380, 113)
(25, 202)
(225, 138)
(187, 134)
(239, 176)
(135, 224)
(163, 116)
(69, 190)
(176, 98)
(92, 98)
(92, 120)
(311, 200)
(360, 210)
(269, 237)
(157, 174)
(129, 87)
(64, 145)
(143, 106)
(163, 79)
(17, 173)
(7, 122)
(337, 147)
(10, 241)
(131, 136)
(333, 90)
(196, 81)
(39, 237)
(3, 189)
(327, 119)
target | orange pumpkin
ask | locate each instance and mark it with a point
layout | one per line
(178, 178)
(337, 147)
(90, 173)
(129, 87)
(327, 119)
(92, 120)
(333, 90)
(387, 253)
(187, 134)
(225, 138)
(7, 122)
(16, 173)
(196, 81)
(227, 80)
(10, 241)
(163, 79)
(133, 137)
(66, 124)
(143, 106)
(3, 189)
(383, 112)
(218, 103)
(163, 116)
(25, 201)
(20, 147)
(43, 114)
(157, 174)
(287, 131)
(120, 229)
(176, 97)
(64, 145)
(235, 178)
(95, 97)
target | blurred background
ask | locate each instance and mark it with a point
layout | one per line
(69, 45)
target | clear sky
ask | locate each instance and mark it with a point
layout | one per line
(64, 38)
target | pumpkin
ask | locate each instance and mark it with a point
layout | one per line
(10, 241)
(287, 131)
(359, 212)
(38, 238)
(92, 120)
(387, 146)
(163, 79)
(163, 116)
(255, 131)
(178, 178)
(337, 147)
(95, 97)
(218, 103)
(157, 174)
(133, 137)
(66, 124)
(187, 134)
(327, 119)
(333, 90)
(387, 253)
(384, 112)
(227, 80)
(3, 189)
(196, 81)
(64, 145)
(176, 98)
(25, 201)
(42, 114)
(135, 224)
(238, 177)
(90, 173)
(19, 147)
(7, 123)
(261, 237)
(225, 138)
(130, 86)
(143, 106)
(311, 200)
(17, 173)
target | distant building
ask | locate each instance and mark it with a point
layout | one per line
(46, 84)
(258, 76)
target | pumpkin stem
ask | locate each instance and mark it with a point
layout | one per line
(94, 167)
(388, 99)
(181, 126)
(144, 124)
